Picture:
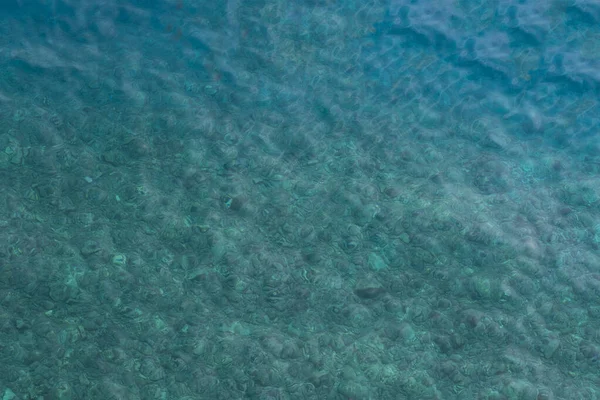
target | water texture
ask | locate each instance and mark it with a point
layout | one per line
(309, 199)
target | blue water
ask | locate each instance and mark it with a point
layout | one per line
(299, 200)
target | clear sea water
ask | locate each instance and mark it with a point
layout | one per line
(309, 199)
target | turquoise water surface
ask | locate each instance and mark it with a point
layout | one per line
(309, 199)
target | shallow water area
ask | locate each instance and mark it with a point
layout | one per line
(299, 200)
